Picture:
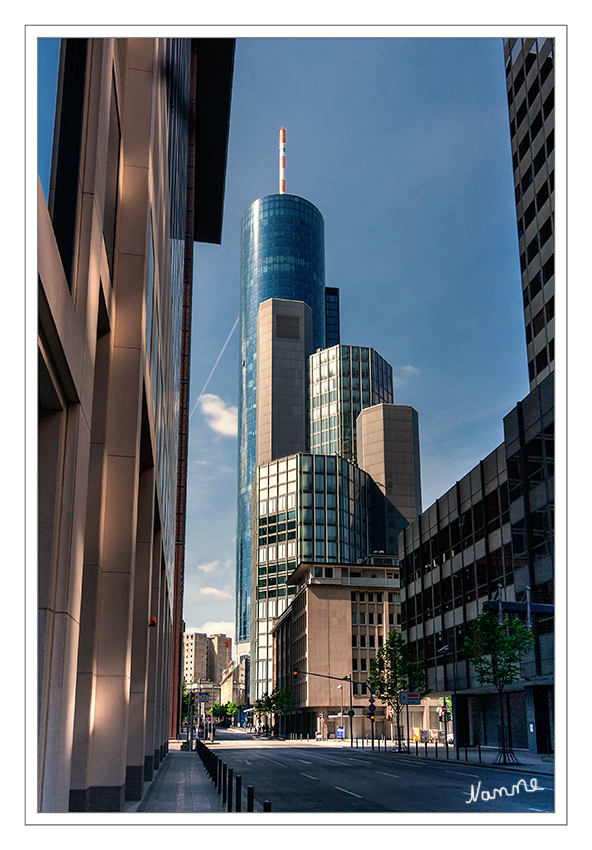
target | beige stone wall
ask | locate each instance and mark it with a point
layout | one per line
(284, 341)
(388, 450)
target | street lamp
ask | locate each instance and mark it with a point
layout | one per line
(340, 688)
(445, 650)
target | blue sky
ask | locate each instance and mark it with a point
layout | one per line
(403, 144)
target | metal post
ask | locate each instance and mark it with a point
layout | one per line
(250, 799)
(230, 778)
(266, 806)
(239, 792)
(224, 779)
(219, 775)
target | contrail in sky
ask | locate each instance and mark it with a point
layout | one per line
(214, 368)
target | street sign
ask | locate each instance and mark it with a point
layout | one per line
(203, 696)
(341, 731)
(410, 698)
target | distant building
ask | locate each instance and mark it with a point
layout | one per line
(195, 651)
(234, 685)
(219, 655)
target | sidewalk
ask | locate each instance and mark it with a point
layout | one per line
(181, 785)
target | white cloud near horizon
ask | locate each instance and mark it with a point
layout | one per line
(214, 591)
(213, 627)
(221, 417)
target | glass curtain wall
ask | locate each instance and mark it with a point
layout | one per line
(282, 256)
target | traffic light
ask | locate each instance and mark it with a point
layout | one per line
(295, 672)
(192, 699)
(371, 709)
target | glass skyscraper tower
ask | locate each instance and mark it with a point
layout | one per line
(283, 257)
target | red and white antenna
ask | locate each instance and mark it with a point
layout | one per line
(282, 161)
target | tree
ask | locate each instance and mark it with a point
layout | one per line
(218, 710)
(231, 709)
(282, 701)
(496, 650)
(391, 672)
(184, 702)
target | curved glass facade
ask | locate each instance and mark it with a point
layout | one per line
(282, 256)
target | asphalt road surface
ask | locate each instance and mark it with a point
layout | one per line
(305, 777)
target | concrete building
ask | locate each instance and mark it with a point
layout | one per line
(234, 685)
(388, 450)
(338, 618)
(195, 657)
(219, 655)
(133, 182)
(530, 83)
(284, 341)
(487, 544)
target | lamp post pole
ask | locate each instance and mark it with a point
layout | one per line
(340, 688)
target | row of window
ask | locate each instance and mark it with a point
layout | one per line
(533, 208)
(520, 76)
(540, 320)
(540, 278)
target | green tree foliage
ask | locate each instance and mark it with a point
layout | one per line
(393, 671)
(282, 701)
(218, 710)
(496, 651)
(231, 709)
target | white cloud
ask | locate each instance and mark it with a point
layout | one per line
(214, 591)
(209, 567)
(221, 417)
(402, 373)
(220, 627)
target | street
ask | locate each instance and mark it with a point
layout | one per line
(308, 777)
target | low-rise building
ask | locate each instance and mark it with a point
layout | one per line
(340, 615)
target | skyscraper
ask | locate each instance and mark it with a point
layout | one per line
(282, 256)
(530, 85)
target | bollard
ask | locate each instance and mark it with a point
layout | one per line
(224, 779)
(479, 753)
(219, 775)
(436, 743)
(426, 748)
(466, 756)
(250, 799)
(416, 748)
(230, 778)
(446, 747)
(239, 797)
(266, 806)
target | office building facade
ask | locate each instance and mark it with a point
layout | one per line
(305, 508)
(123, 204)
(283, 257)
(531, 101)
(487, 544)
(343, 380)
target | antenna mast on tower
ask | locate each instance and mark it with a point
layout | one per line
(282, 161)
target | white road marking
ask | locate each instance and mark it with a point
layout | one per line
(458, 773)
(345, 791)
(393, 775)
(309, 777)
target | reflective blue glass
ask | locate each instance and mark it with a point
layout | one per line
(282, 256)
